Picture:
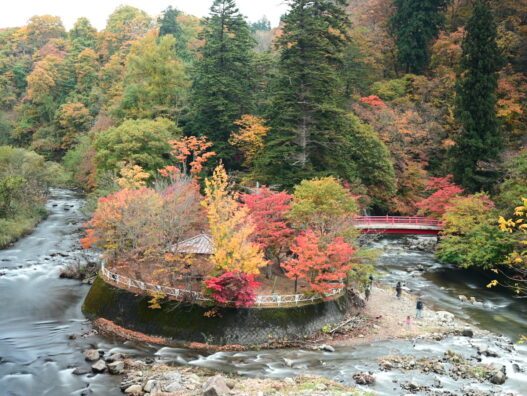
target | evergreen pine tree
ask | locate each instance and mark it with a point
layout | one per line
(307, 99)
(479, 141)
(311, 135)
(168, 24)
(414, 25)
(222, 90)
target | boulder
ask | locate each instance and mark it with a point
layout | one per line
(498, 377)
(99, 366)
(473, 300)
(324, 347)
(149, 386)
(114, 357)
(462, 298)
(467, 332)
(134, 390)
(92, 355)
(215, 386)
(364, 379)
(444, 316)
(174, 386)
(116, 367)
(80, 371)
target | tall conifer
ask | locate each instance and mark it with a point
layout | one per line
(305, 108)
(480, 140)
(222, 89)
(311, 135)
(414, 25)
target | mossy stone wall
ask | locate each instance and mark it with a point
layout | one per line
(187, 323)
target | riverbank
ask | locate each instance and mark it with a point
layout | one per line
(13, 229)
(386, 316)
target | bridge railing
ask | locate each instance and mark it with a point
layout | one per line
(397, 220)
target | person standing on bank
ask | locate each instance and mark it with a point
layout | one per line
(419, 308)
(398, 290)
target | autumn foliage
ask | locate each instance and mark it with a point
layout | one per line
(231, 228)
(191, 154)
(443, 190)
(272, 229)
(233, 287)
(323, 267)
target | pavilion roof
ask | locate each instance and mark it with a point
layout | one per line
(200, 244)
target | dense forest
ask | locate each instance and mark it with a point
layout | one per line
(416, 106)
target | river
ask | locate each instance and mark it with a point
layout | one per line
(41, 312)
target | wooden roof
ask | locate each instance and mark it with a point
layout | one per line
(200, 244)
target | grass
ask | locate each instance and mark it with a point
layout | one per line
(14, 228)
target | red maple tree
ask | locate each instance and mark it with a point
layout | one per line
(323, 267)
(273, 233)
(233, 287)
(444, 190)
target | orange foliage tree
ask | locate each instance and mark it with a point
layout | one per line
(191, 153)
(323, 266)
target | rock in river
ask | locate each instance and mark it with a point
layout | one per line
(99, 366)
(92, 355)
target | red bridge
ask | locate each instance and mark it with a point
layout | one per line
(398, 225)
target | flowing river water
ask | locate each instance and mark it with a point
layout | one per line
(40, 313)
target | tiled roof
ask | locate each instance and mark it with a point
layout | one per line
(200, 244)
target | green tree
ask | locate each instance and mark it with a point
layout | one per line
(305, 110)
(83, 35)
(479, 141)
(221, 92)
(155, 82)
(141, 142)
(414, 25)
(169, 24)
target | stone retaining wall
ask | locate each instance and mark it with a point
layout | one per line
(186, 322)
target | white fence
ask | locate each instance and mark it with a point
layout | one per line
(179, 294)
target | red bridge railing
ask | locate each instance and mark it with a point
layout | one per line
(362, 220)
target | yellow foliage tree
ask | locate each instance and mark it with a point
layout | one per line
(250, 137)
(231, 228)
(517, 260)
(133, 177)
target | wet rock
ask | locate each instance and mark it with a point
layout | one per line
(99, 366)
(116, 367)
(462, 298)
(114, 357)
(499, 376)
(215, 386)
(386, 365)
(516, 368)
(134, 390)
(80, 371)
(438, 367)
(324, 347)
(467, 332)
(288, 362)
(92, 355)
(364, 379)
